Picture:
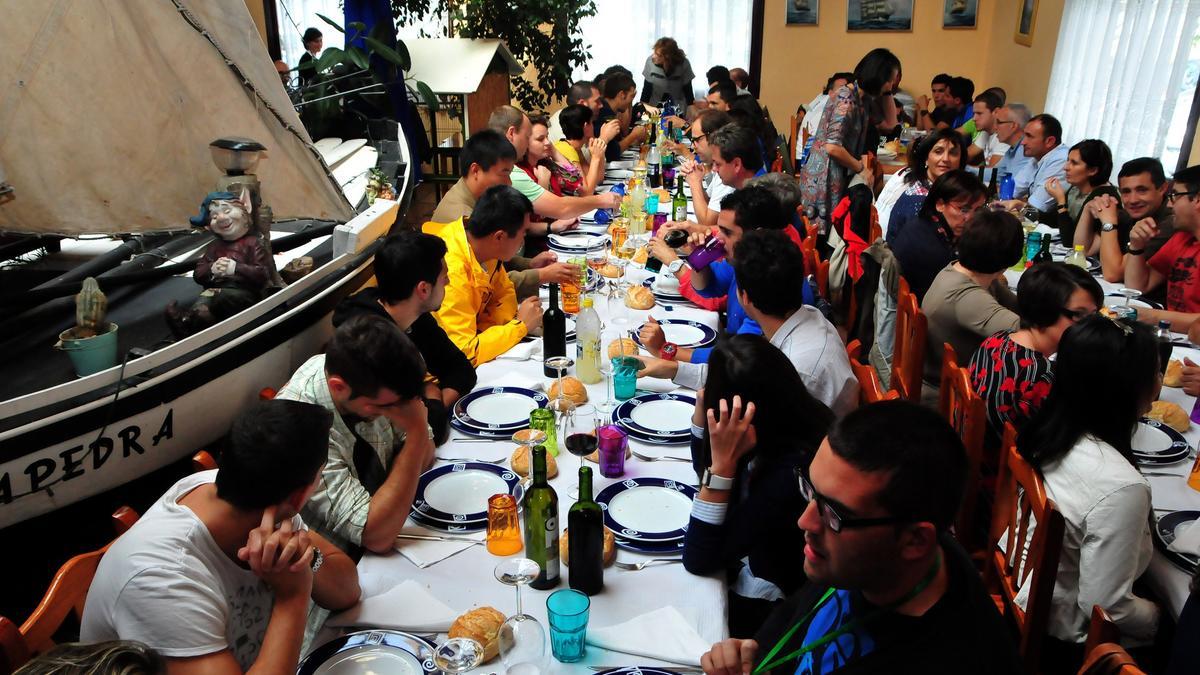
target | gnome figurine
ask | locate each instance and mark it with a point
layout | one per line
(234, 269)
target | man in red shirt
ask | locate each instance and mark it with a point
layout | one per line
(1177, 263)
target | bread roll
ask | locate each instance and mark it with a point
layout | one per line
(572, 389)
(481, 624)
(639, 297)
(1171, 415)
(610, 270)
(1174, 375)
(640, 256)
(610, 547)
(520, 463)
(622, 347)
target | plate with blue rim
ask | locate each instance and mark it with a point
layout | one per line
(480, 433)
(657, 416)
(682, 333)
(647, 509)
(641, 670)
(459, 492)
(372, 651)
(498, 409)
(648, 283)
(1164, 534)
(576, 242)
(1156, 443)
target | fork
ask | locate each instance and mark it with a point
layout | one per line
(471, 459)
(636, 567)
(664, 458)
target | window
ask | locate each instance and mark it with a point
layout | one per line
(295, 16)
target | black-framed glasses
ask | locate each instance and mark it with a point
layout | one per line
(696, 139)
(1076, 315)
(1173, 195)
(829, 515)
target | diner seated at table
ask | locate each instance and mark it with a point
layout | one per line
(1085, 177)
(986, 149)
(576, 122)
(1043, 144)
(751, 433)
(787, 191)
(1010, 129)
(1011, 370)
(1080, 443)
(217, 576)
(410, 271)
(941, 151)
(617, 104)
(587, 94)
(706, 199)
(552, 170)
(721, 95)
(1175, 264)
(1143, 190)
(942, 114)
(969, 299)
(962, 93)
(925, 245)
(890, 590)
(371, 378)
(480, 311)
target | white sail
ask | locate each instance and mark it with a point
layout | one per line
(107, 108)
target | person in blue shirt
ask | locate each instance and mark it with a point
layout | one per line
(962, 94)
(1043, 145)
(1010, 128)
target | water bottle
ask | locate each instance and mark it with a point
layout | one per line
(1077, 258)
(1008, 186)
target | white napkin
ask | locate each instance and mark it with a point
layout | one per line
(1187, 539)
(662, 634)
(656, 385)
(407, 606)
(424, 553)
(523, 351)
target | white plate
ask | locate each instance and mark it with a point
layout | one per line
(1110, 301)
(1148, 440)
(504, 408)
(371, 660)
(651, 509)
(618, 173)
(682, 334)
(663, 416)
(464, 491)
(578, 240)
(1181, 353)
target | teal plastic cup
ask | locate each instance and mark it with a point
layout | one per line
(568, 613)
(624, 377)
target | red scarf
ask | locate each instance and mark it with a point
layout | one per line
(855, 245)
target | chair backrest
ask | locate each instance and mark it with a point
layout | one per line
(203, 461)
(965, 411)
(808, 252)
(810, 230)
(908, 354)
(13, 650)
(823, 278)
(67, 593)
(870, 389)
(1110, 659)
(123, 519)
(1101, 629)
(1021, 500)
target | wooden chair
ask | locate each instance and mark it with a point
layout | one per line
(203, 461)
(823, 278)
(870, 389)
(965, 411)
(66, 594)
(908, 354)
(808, 253)
(123, 519)
(793, 138)
(1004, 571)
(1102, 653)
(267, 393)
(13, 650)
(1101, 629)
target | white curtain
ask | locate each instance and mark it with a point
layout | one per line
(710, 32)
(295, 16)
(1117, 73)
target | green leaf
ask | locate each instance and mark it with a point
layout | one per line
(358, 26)
(402, 50)
(358, 58)
(388, 53)
(329, 57)
(428, 95)
(337, 26)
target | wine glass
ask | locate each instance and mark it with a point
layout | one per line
(608, 404)
(1129, 293)
(530, 438)
(579, 434)
(522, 639)
(458, 655)
(562, 407)
(560, 365)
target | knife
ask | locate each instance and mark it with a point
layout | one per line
(674, 669)
(434, 537)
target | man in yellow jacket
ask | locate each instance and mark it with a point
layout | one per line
(480, 312)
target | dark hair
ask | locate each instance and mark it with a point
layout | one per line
(740, 142)
(1141, 165)
(1050, 127)
(1096, 155)
(580, 92)
(617, 84)
(999, 93)
(502, 207)
(718, 74)
(942, 78)
(788, 420)
(539, 117)
(710, 120)
(770, 270)
(951, 186)
(962, 89)
(756, 207)
(918, 159)
(275, 448)
(485, 148)
(1046, 288)
(672, 54)
(1091, 394)
(573, 119)
(311, 35)
(990, 99)
(1189, 177)
(727, 90)
(875, 70)
(406, 259)
(849, 77)
(991, 241)
(921, 451)
(615, 69)
(371, 353)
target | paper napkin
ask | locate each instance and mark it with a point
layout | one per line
(523, 351)
(663, 634)
(423, 553)
(408, 606)
(1187, 539)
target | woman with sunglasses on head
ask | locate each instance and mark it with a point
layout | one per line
(1106, 377)
(926, 244)
(1011, 369)
(900, 200)
(751, 432)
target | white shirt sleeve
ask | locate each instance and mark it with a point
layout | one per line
(1113, 529)
(179, 616)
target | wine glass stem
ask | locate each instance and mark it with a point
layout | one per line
(519, 610)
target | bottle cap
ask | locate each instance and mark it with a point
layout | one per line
(1078, 247)
(587, 301)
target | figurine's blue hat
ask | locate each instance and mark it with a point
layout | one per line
(202, 219)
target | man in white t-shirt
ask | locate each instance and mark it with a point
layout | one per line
(706, 201)
(987, 146)
(217, 575)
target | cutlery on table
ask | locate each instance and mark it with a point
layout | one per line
(1162, 473)
(663, 458)
(688, 670)
(634, 567)
(434, 537)
(472, 459)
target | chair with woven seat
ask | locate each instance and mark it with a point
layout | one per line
(965, 411)
(1021, 502)
(908, 354)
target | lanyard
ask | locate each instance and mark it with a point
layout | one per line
(770, 661)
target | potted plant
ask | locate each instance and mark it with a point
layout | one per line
(92, 342)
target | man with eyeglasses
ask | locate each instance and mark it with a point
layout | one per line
(1010, 129)
(1175, 264)
(706, 201)
(889, 589)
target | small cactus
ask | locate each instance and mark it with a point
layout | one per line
(91, 310)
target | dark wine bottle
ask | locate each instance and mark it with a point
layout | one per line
(541, 523)
(585, 545)
(993, 188)
(1043, 254)
(554, 332)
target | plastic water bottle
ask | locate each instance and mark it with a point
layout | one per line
(1077, 258)
(1008, 185)
(587, 344)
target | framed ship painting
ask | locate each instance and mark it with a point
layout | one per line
(802, 12)
(960, 13)
(1026, 19)
(879, 15)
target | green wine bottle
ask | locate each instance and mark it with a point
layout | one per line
(541, 523)
(585, 546)
(679, 201)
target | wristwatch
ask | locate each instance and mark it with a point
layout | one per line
(318, 559)
(668, 351)
(1107, 227)
(674, 266)
(715, 482)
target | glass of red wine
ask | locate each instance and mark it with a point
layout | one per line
(579, 430)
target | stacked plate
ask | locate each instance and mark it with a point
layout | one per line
(453, 497)
(683, 333)
(657, 418)
(496, 412)
(648, 515)
(1164, 535)
(372, 651)
(1157, 443)
(576, 242)
(664, 297)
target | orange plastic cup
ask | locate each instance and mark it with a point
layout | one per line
(504, 526)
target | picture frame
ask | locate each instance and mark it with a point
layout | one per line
(960, 14)
(879, 15)
(1026, 22)
(802, 12)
